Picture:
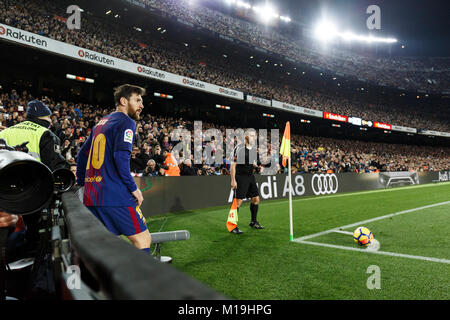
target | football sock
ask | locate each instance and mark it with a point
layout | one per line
(254, 211)
(147, 250)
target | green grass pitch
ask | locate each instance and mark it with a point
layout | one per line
(264, 264)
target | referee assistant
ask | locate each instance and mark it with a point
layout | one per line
(243, 179)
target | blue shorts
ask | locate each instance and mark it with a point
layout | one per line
(125, 221)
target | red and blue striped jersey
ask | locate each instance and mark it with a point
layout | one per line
(103, 163)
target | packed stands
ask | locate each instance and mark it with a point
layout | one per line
(73, 122)
(44, 18)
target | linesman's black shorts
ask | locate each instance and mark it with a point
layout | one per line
(246, 187)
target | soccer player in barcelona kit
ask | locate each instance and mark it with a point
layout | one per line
(103, 167)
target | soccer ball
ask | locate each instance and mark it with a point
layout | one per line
(363, 236)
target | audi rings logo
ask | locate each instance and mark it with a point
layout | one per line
(324, 183)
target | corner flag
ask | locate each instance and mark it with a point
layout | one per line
(232, 216)
(285, 149)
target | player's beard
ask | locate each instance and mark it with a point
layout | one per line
(134, 115)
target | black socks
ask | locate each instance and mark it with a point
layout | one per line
(254, 211)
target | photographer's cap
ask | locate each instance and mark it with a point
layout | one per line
(37, 109)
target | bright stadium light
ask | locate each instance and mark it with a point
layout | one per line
(350, 36)
(243, 4)
(326, 31)
(266, 12)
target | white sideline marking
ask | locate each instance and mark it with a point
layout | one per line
(392, 254)
(343, 232)
(373, 250)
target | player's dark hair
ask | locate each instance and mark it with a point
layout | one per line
(126, 90)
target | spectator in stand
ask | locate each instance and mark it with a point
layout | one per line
(186, 169)
(152, 169)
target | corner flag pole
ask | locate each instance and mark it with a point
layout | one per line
(291, 234)
(285, 151)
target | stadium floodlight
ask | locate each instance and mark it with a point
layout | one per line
(243, 4)
(266, 12)
(349, 36)
(326, 30)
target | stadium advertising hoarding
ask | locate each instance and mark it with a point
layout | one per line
(258, 100)
(404, 129)
(335, 117)
(176, 194)
(355, 121)
(381, 125)
(435, 133)
(296, 109)
(367, 123)
(68, 50)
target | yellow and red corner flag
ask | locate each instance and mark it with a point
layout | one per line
(232, 216)
(285, 149)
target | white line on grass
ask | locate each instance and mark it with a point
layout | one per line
(343, 232)
(392, 254)
(371, 220)
(340, 230)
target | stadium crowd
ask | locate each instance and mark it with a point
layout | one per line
(427, 74)
(45, 18)
(73, 122)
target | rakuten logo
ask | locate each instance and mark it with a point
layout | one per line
(94, 57)
(22, 37)
(260, 100)
(307, 111)
(286, 106)
(228, 92)
(193, 83)
(150, 72)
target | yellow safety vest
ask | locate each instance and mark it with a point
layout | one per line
(25, 131)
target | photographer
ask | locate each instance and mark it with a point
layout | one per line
(43, 145)
(152, 169)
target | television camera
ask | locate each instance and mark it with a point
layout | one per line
(28, 186)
